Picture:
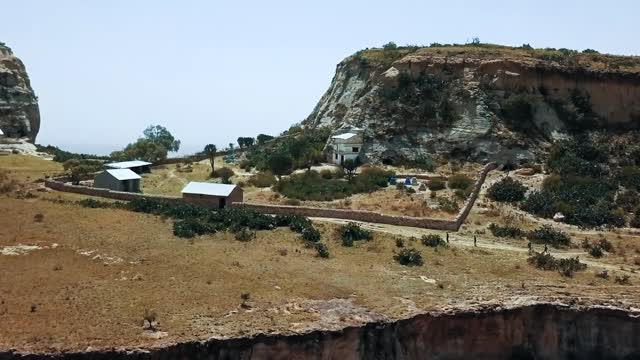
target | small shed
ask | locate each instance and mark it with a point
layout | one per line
(118, 180)
(137, 166)
(212, 195)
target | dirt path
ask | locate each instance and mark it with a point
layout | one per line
(466, 240)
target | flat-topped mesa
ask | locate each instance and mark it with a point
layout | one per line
(19, 112)
(482, 102)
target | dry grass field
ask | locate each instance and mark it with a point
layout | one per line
(74, 277)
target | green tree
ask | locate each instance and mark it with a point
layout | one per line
(225, 174)
(79, 171)
(280, 164)
(160, 135)
(210, 150)
(262, 138)
(350, 167)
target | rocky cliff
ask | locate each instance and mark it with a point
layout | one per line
(541, 331)
(481, 102)
(19, 113)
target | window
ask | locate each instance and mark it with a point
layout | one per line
(336, 156)
(355, 149)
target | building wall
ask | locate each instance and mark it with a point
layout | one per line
(104, 180)
(204, 200)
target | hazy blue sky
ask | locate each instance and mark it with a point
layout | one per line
(212, 71)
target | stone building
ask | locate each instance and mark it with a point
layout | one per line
(345, 144)
(118, 180)
(212, 195)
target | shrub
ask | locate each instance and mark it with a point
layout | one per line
(400, 186)
(566, 267)
(188, 228)
(262, 179)
(506, 231)
(409, 257)
(596, 251)
(327, 174)
(224, 174)
(507, 190)
(95, 204)
(311, 234)
(448, 205)
(245, 234)
(436, 184)
(292, 202)
(460, 181)
(623, 280)
(548, 235)
(322, 250)
(606, 245)
(399, 243)
(296, 223)
(433, 240)
(39, 217)
(635, 221)
(351, 232)
(628, 200)
(629, 176)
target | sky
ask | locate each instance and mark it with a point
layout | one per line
(211, 71)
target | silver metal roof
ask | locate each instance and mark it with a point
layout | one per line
(204, 188)
(127, 164)
(123, 174)
(345, 136)
(1, 133)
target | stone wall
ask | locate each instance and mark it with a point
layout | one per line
(356, 215)
(374, 217)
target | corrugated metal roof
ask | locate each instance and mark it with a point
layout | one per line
(345, 136)
(123, 174)
(1, 133)
(204, 188)
(127, 164)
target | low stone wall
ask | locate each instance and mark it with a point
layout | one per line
(374, 217)
(105, 193)
(356, 215)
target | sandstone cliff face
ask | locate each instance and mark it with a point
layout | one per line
(528, 332)
(498, 104)
(19, 113)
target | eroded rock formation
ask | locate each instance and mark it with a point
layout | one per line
(19, 113)
(494, 103)
(542, 331)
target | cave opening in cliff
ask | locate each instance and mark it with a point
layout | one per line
(387, 161)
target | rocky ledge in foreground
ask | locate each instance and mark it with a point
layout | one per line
(539, 331)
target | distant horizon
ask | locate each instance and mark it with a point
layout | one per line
(213, 72)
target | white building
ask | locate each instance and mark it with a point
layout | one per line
(346, 144)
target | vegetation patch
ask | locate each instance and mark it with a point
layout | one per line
(566, 267)
(550, 236)
(351, 232)
(409, 257)
(433, 240)
(507, 190)
(460, 181)
(506, 231)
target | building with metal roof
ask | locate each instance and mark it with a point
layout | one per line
(118, 180)
(137, 166)
(212, 195)
(346, 145)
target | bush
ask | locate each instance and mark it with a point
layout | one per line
(460, 181)
(188, 228)
(548, 235)
(623, 280)
(399, 243)
(433, 240)
(629, 176)
(322, 250)
(409, 257)
(436, 184)
(245, 234)
(292, 202)
(628, 200)
(224, 174)
(507, 190)
(566, 267)
(353, 232)
(635, 221)
(262, 179)
(448, 205)
(311, 234)
(39, 217)
(327, 174)
(596, 251)
(506, 231)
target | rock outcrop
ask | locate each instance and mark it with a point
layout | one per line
(485, 102)
(541, 331)
(19, 112)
